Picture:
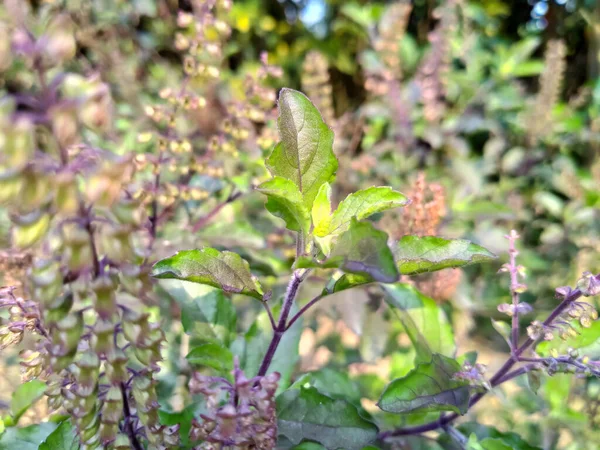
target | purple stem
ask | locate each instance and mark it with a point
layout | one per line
(288, 301)
(498, 378)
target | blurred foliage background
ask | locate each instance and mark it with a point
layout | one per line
(486, 113)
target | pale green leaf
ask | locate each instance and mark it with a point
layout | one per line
(27, 438)
(321, 210)
(25, 396)
(363, 204)
(63, 438)
(305, 153)
(424, 321)
(416, 255)
(503, 329)
(206, 313)
(211, 355)
(223, 270)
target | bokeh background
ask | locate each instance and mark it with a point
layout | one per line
(486, 113)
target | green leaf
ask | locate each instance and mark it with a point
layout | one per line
(223, 270)
(430, 253)
(184, 419)
(27, 438)
(428, 387)
(63, 438)
(363, 204)
(362, 251)
(486, 444)
(309, 446)
(286, 202)
(483, 432)
(503, 329)
(334, 383)
(305, 153)
(206, 313)
(212, 355)
(25, 396)
(424, 321)
(307, 414)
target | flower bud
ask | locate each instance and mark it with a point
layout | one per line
(60, 308)
(29, 229)
(116, 367)
(103, 337)
(121, 442)
(105, 299)
(128, 212)
(588, 285)
(11, 184)
(66, 200)
(18, 144)
(87, 379)
(116, 242)
(47, 283)
(5, 50)
(78, 252)
(108, 432)
(59, 43)
(64, 125)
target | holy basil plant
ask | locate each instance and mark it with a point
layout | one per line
(344, 245)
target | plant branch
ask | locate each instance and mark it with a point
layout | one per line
(205, 219)
(503, 374)
(288, 301)
(303, 310)
(270, 313)
(514, 285)
(135, 443)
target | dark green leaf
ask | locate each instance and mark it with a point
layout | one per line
(428, 387)
(361, 250)
(305, 153)
(25, 396)
(212, 355)
(27, 438)
(223, 270)
(286, 202)
(427, 254)
(63, 438)
(424, 321)
(307, 414)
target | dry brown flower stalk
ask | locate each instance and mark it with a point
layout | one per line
(432, 73)
(317, 85)
(539, 118)
(423, 217)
